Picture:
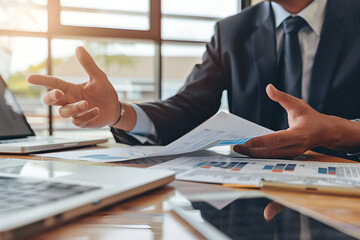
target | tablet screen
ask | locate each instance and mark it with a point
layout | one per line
(244, 219)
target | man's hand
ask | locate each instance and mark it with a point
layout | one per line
(273, 209)
(307, 129)
(92, 104)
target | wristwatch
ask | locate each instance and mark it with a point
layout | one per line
(354, 155)
(122, 112)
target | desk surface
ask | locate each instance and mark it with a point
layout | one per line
(149, 217)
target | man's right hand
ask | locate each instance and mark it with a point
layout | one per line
(92, 104)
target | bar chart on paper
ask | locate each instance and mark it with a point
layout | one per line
(248, 171)
(237, 166)
(103, 155)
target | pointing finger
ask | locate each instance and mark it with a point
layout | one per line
(88, 63)
(48, 81)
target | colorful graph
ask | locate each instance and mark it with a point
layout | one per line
(233, 142)
(280, 167)
(233, 166)
(328, 170)
(103, 157)
(267, 167)
(111, 157)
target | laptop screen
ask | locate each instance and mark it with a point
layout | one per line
(12, 120)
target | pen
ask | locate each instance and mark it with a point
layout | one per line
(232, 185)
(337, 190)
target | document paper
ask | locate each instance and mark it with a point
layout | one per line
(220, 130)
(105, 155)
(250, 172)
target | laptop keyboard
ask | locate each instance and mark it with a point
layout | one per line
(19, 193)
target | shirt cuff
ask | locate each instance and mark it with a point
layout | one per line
(144, 126)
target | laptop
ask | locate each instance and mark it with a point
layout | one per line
(16, 135)
(38, 195)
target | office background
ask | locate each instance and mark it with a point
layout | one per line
(146, 47)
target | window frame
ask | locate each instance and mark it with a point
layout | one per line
(57, 30)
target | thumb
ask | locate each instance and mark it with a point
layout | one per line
(287, 101)
(88, 63)
(272, 209)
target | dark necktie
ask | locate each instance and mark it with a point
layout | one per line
(290, 63)
(289, 72)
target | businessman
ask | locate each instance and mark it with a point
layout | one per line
(306, 48)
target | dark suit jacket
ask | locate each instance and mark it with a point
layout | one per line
(241, 58)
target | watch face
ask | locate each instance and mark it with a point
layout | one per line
(122, 110)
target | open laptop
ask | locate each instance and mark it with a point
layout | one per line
(38, 195)
(16, 135)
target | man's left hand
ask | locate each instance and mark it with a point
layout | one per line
(307, 129)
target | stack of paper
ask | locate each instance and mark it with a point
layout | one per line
(250, 172)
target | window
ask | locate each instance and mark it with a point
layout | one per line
(193, 20)
(147, 47)
(30, 15)
(186, 27)
(178, 60)
(21, 56)
(254, 2)
(118, 14)
(129, 65)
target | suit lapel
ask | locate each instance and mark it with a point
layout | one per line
(265, 57)
(331, 40)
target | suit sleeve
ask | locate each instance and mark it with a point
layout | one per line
(196, 101)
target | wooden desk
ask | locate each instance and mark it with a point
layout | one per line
(149, 217)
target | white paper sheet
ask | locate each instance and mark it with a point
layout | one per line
(250, 172)
(105, 155)
(220, 130)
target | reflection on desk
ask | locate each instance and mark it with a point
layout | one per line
(143, 217)
(149, 217)
(244, 219)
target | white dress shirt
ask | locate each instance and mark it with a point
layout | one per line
(144, 127)
(309, 37)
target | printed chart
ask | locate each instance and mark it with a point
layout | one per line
(251, 172)
(105, 154)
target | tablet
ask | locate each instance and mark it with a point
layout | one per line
(244, 219)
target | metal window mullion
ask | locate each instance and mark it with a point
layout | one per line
(105, 11)
(245, 3)
(158, 70)
(20, 33)
(53, 11)
(136, 13)
(155, 28)
(189, 42)
(49, 72)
